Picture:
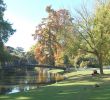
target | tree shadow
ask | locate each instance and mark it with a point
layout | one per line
(67, 90)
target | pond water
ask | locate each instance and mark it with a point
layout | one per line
(13, 81)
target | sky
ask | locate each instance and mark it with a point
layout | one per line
(25, 15)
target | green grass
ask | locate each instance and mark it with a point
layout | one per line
(56, 71)
(78, 86)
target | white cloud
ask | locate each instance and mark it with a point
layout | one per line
(23, 36)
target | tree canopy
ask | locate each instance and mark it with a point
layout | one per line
(6, 30)
(59, 34)
(95, 32)
(51, 34)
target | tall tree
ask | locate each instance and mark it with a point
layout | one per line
(5, 29)
(47, 33)
(95, 32)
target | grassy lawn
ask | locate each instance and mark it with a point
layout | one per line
(56, 71)
(79, 86)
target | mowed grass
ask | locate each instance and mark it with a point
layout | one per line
(79, 85)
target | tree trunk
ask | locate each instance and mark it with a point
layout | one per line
(101, 67)
(100, 64)
(51, 52)
(1, 52)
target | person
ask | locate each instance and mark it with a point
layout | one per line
(95, 73)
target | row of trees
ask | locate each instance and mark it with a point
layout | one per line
(60, 34)
(17, 56)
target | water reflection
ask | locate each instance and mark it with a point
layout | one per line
(24, 80)
(5, 89)
(14, 90)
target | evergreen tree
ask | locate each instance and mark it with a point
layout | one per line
(5, 30)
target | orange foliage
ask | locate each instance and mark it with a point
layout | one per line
(46, 34)
(39, 54)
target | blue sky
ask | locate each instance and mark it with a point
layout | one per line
(25, 15)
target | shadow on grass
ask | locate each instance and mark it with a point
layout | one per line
(50, 93)
(88, 78)
(76, 92)
(71, 91)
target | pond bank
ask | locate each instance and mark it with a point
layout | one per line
(79, 88)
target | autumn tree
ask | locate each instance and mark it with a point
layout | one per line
(49, 35)
(95, 32)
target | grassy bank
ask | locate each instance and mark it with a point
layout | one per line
(79, 86)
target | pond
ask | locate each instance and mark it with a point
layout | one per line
(12, 81)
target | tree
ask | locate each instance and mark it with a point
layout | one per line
(66, 60)
(49, 35)
(30, 55)
(95, 32)
(5, 29)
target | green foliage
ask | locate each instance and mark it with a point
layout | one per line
(5, 27)
(66, 60)
(30, 55)
(87, 60)
(95, 32)
(83, 63)
(5, 30)
(102, 30)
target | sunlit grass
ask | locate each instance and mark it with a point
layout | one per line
(55, 71)
(4, 97)
(79, 85)
(22, 98)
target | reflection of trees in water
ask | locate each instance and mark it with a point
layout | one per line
(19, 76)
(41, 78)
(6, 77)
(11, 77)
(23, 78)
(46, 77)
(4, 89)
